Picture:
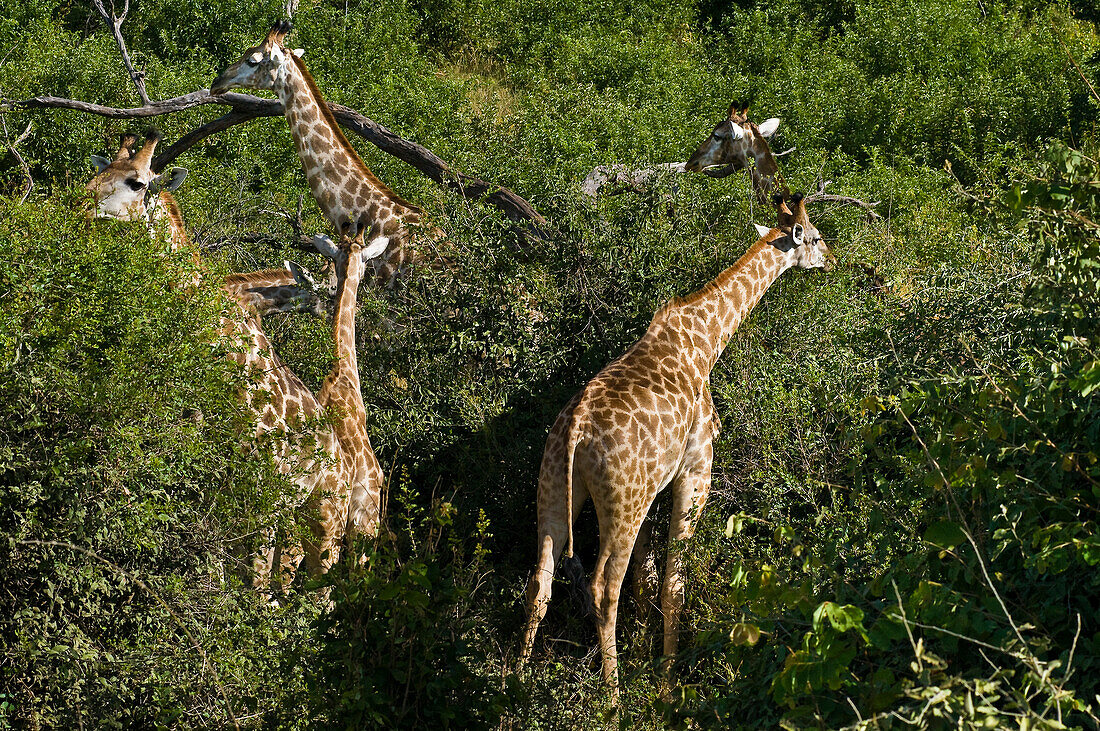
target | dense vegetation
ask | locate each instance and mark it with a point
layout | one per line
(903, 522)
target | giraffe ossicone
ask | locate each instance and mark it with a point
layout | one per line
(644, 423)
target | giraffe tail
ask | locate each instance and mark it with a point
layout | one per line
(570, 567)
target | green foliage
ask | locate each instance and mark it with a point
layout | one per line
(121, 505)
(907, 469)
(402, 647)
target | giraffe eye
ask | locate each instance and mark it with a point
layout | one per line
(134, 184)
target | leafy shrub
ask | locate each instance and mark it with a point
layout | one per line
(120, 506)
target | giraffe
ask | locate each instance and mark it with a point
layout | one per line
(646, 422)
(311, 454)
(351, 197)
(736, 141)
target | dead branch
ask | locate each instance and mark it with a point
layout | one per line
(821, 195)
(114, 22)
(625, 179)
(247, 107)
(28, 181)
(1079, 71)
(622, 179)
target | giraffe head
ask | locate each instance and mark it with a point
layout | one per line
(736, 141)
(260, 66)
(123, 188)
(801, 238)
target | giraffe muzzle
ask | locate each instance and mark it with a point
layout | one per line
(220, 85)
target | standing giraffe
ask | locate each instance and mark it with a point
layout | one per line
(312, 455)
(645, 422)
(736, 142)
(353, 199)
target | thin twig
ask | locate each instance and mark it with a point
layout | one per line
(114, 22)
(1079, 71)
(145, 587)
(28, 182)
(821, 195)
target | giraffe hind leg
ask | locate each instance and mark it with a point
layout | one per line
(607, 584)
(688, 498)
(553, 534)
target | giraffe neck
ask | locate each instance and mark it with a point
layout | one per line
(165, 220)
(349, 273)
(711, 315)
(349, 194)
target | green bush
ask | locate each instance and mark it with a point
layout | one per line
(124, 491)
(956, 337)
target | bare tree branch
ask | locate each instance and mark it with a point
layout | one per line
(114, 22)
(247, 107)
(192, 138)
(622, 179)
(821, 195)
(28, 181)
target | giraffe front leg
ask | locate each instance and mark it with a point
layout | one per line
(689, 495)
(327, 521)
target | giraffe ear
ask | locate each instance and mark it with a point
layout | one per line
(376, 247)
(798, 234)
(768, 126)
(762, 230)
(99, 162)
(299, 52)
(170, 180)
(737, 130)
(325, 246)
(301, 277)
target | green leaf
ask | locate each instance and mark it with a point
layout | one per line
(744, 633)
(944, 534)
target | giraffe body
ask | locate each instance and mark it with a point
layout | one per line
(371, 222)
(311, 454)
(352, 198)
(644, 424)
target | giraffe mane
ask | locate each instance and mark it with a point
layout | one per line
(173, 209)
(258, 276)
(730, 271)
(341, 139)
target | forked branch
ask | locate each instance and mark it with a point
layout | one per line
(28, 181)
(821, 195)
(114, 22)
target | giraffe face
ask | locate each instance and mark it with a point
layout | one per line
(260, 66)
(736, 141)
(808, 249)
(726, 145)
(123, 187)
